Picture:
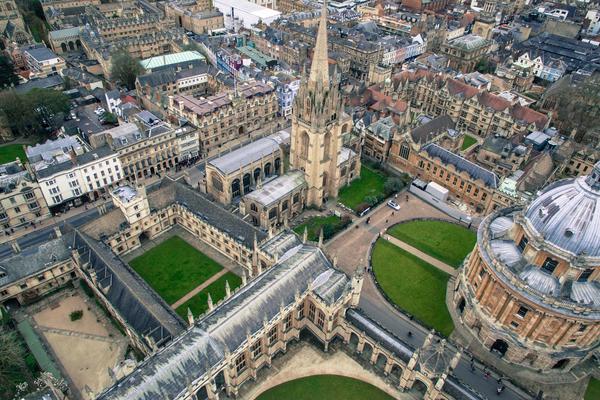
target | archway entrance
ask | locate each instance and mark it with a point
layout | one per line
(461, 305)
(561, 364)
(419, 387)
(353, 342)
(367, 352)
(500, 347)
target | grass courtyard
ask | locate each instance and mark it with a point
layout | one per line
(370, 183)
(331, 225)
(174, 268)
(324, 387)
(593, 390)
(199, 303)
(413, 285)
(448, 242)
(9, 152)
(468, 141)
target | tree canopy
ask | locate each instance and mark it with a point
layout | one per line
(8, 77)
(125, 68)
(36, 112)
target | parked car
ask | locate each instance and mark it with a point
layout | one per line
(393, 205)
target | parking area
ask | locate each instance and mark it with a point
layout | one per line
(87, 121)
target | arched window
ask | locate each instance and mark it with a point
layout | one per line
(268, 170)
(256, 174)
(327, 146)
(325, 179)
(278, 165)
(235, 188)
(253, 207)
(404, 151)
(305, 144)
(246, 183)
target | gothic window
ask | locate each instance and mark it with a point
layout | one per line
(321, 319)
(549, 265)
(343, 172)
(268, 171)
(272, 335)
(217, 184)
(277, 165)
(325, 179)
(296, 198)
(253, 207)
(311, 311)
(284, 205)
(240, 363)
(256, 174)
(305, 143)
(256, 349)
(235, 188)
(246, 183)
(300, 311)
(326, 146)
(272, 212)
(287, 322)
(404, 151)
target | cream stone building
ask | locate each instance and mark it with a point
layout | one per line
(198, 16)
(530, 289)
(21, 199)
(319, 125)
(228, 117)
(240, 171)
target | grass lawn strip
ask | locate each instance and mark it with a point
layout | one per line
(593, 390)
(468, 141)
(448, 242)
(370, 183)
(315, 224)
(174, 268)
(10, 152)
(413, 285)
(199, 303)
(324, 387)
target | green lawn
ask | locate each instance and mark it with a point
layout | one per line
(9, 152)
(448, 242)
(370, 183)
(174, 267)
(413, 285)
(332, 387)
(468, 141)
(593, 390)
(199, 303)
(331, 225)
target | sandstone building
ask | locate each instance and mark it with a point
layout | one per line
(530, 289)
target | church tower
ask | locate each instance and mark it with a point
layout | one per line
(318, 124)
(486, 19)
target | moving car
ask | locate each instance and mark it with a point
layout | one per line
(393, 205)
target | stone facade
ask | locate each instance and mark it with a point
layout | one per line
(524, 292)
(319, 124)
(196, 16)
(226, 117)
(465, 52)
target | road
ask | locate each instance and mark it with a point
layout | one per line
(352, 247)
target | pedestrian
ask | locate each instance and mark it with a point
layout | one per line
(392, 213)
(472, 366)
(487, 374)
(499, 390)
(499, 381)
(386, 221)
(409, 334)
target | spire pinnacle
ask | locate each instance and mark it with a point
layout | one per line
(319, 69)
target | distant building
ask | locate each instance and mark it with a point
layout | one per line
(41, 61)
(465, 52)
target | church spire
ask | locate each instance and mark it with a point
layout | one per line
(319, 70)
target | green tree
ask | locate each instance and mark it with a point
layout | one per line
(13, 369)
(7, 73)
(393, 185)
(371, 200)
(125, 69)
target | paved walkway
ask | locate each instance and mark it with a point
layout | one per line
(423, 256)
(198, 288)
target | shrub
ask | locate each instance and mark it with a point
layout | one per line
(328, 231)
(371, 200)
(75, 315)
(393, 185)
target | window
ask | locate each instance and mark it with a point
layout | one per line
(582, 328)
(272, 337)
(522, 312)
(4, 293)
(585, 275)
(321, 319)
(17, 210)
(23, 285)
(523, 243)
(240, 363)
(33, 205)
(514, 324)
(272, 213)
(28, 195)
(404, 151)
(287, 322)
(296, 198)
(549, 265)
(300, 311)
(253, 207)
(284, 206)
(311, 311)
(256, 349)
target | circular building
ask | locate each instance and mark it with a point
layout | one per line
(530, 290)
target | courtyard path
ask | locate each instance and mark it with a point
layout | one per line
(423, 256)
(199, 288)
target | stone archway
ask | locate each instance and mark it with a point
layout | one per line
(396, 372)
(381, 361)
(500, 347)
(367, 352)
(63, 47)
(561, 364)
(419, 387)
(71, 46)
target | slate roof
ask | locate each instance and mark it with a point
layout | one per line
(250, 153)
(168, 75)
(427, 132)
(462, 164)
(192, 355)
(85, 158)
(34, 259)
(40, 53)
(276, 189)
(48, 82)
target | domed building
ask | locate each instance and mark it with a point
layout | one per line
(530, 290)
